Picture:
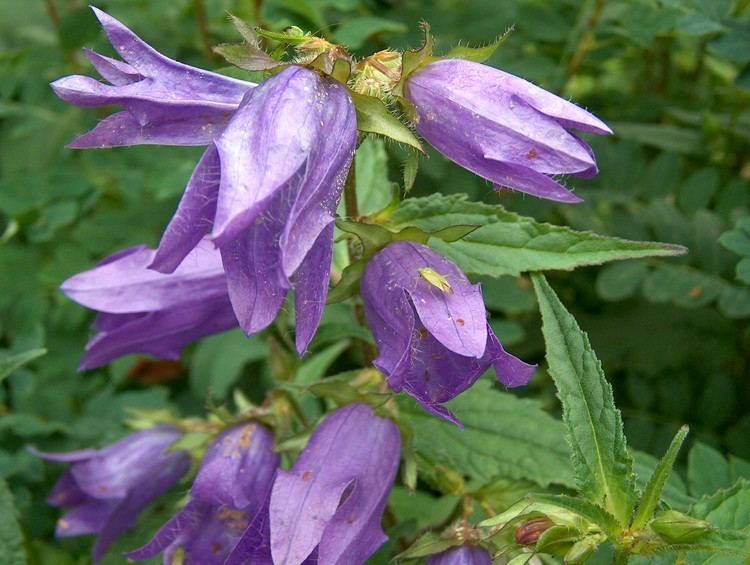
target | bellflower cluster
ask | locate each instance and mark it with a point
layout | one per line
(229, 492)
(430, 326)
(107, 489)
(463, 555)
(164, 102)
(143, 311)
(503, 128)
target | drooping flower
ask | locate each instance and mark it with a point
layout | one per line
(107, 489)
(463, 555)
(142, 311)
(164, 102)
(231, 488)
(503, 128)
(327, 508)
(430, 326)
(267, 191)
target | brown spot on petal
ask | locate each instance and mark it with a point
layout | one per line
(63, 524)
(216, 548)
(247, 433)
(460, 321)
(307, 475)
(350, 519)
(532, 154)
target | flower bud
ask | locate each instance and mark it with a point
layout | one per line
(528, 533)
(676, 527)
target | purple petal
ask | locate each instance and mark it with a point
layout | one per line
(158, 478)
(180, 126)
(114, 71)
(122, 466)
(254, 547)
(311, 288)
(66, 492)
(86, 518)
(324, 176)
(506, 175)
(126, 285)
(238, 469)
(183, 79)
(464, 555)
(266, 142)
(162, 334)
(194, 216)
(69, 457)
(335, 494)
(189, 519)
(510, 370)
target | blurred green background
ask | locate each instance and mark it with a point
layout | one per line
(672, 78)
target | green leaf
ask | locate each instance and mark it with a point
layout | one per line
(374, 117)
(374, 190)
(670, 138)
(11, 539)
(582, 507)
(411, 165)
(315, 366)
(10, 363)
(504, 436)
(603, 466)
(247, 56)
(218, 361)
(675, 492)
(619, 281)
(478, 54)
(509, 244)
(707, 470)
(653, 493)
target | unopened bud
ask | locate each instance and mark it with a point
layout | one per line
(528, 533)
(676, 527)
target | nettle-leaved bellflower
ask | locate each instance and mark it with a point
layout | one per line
(142, 311)
(463, 555)
(230, 490)
(107, 489)
(267, 191)
(327, 508)
(430, 326)
(503, 128)
(165, 102)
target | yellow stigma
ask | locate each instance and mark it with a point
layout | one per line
(435, 279)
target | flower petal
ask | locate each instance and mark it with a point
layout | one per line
(114, 71)
(311, 288)
(86, 518)
(463, 555)
(264, 145)
(335, 494)
(194, 216)
(126, 285)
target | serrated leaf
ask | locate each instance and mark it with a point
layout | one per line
(374, 117)
(478, 54)
(11, 539)
(10, 363)
(707, 470)
(653, 492)
(582, 507)
(509, 244)
(603, 466)
(503, 436)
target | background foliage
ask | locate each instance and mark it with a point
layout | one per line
(672, 77)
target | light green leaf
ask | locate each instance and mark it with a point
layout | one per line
(707, 470)
(10, 363)
(603, 466)
(504, 436)
(374, 190)
(619, 281)
(11, 539)
(653, 493)
(509, 244)
(675, 491)
(314, 367)
(374, 117)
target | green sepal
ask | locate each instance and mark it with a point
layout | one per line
(247, 57)
(294, 35)
(412, 60)
(478, 54)
(583, 508)
(557, 540)
(652, 494)
(247, 32)
(335, 63)
(348, 286)
(374, 117)
(372, 237)
(582, 549)
(411, 165)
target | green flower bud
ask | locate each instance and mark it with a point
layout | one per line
(528, 533)
(676, 527)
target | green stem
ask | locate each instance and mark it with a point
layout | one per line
(622, 557)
